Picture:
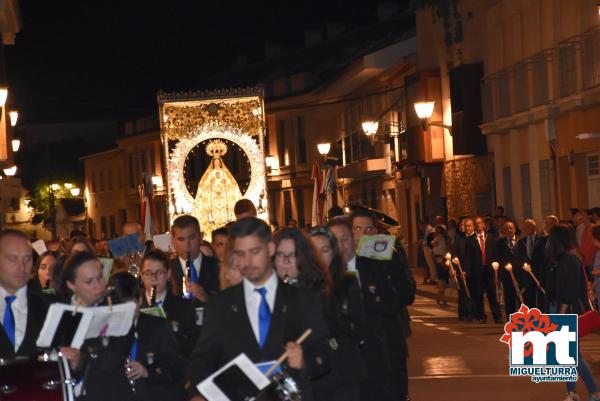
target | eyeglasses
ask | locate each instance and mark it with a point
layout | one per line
(158, 273)
(286, 257)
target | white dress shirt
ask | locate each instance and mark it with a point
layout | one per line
(253, 299)
(19, 309)
(196, 264)
(351, 268)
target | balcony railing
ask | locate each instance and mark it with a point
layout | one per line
(571, 67)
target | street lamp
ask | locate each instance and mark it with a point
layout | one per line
(3, 96)
(11, 171)
(75, 191)
(324, 148)
(14, 117)
(68, 185)
(54, 187)
(370, 127)
(16, 144)
(424, 111)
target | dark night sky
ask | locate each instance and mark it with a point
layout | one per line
(105, 60)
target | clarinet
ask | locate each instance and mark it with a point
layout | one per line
(188, 274)
(153, 296)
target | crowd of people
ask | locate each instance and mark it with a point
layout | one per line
(555, 269)
(249, 290)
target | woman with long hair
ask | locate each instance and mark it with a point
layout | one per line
(345, 317)
(102, 360)
(571, 294)
(294, 260)
(44, 275)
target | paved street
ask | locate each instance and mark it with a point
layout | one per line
(453, 360)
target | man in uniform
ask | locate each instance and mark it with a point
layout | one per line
(261, 317)
(22, 310)
(204, 270)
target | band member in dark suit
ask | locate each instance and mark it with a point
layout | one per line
(506, 252)
(261, 317)
(387, 288)
(155, 365)
(204, 280)
(346, 319)
(99, 366)
(531, 248)
(480, 249)
(180, 312)
(22, 310)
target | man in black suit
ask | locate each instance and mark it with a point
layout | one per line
(531, 249)
(22, 310)
(506, 252)
(156, 273)
(480, 251)
(387, 288)
(261, 317)
(155, 364)
(465, 308)
(204, 277)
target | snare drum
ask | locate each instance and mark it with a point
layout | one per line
(42, 379)
(282, 388)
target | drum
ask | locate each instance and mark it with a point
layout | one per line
(47, 378)
(282, 388)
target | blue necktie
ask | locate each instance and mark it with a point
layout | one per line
(9, 319)
(193, 273)
(134, 349)
(264, 316)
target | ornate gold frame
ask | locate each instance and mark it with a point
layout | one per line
(189, 118)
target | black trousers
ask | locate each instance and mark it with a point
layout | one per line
(510, 296)
(489, 286)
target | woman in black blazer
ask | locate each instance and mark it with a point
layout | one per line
(99, 365)
(346, 320)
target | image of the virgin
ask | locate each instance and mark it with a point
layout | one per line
(216, 195)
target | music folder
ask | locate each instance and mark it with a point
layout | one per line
(238, 380)
(71, 325)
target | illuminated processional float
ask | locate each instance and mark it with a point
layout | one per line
(213, 146)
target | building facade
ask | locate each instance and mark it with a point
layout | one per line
(113, 178)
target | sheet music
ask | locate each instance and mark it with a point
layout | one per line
(53, 318)
(95, 321)
(212, 392)
(379, 247)
(112, 323)
(39, 247)
(162, 241)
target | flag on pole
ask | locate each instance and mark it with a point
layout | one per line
(148, 211)
(327, 189)
(317, 213)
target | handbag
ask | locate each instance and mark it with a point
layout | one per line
(590, 320)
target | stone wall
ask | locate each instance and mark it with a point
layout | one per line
(469, 185)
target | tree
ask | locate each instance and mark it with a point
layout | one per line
(40, 202)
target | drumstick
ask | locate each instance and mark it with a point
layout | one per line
(283, 357)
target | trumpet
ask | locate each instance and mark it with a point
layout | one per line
(498, 285)
(509, 269)
(527, 268)
(456, 261)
